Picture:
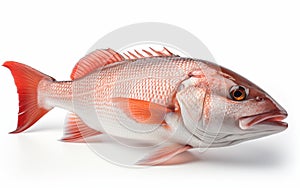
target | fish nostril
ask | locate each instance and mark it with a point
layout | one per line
(257, 98)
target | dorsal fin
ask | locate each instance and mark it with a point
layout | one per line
(94, 60)
(137, 55)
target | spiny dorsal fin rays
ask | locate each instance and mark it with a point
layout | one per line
(148, 53)
(103, 57)
(132, 55)
(127, 56)
(155, 53)
(139, 54)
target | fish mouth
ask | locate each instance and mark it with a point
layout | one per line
(273, 118)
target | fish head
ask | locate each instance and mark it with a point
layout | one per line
(249, 113)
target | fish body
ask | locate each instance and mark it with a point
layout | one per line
(110, 87)
(186, 102)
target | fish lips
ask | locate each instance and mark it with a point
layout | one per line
(272, 118)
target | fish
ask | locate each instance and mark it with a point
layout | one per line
(150, 97)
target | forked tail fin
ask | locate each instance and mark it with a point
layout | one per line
(27, 80)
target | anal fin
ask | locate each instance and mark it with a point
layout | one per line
(76, 130)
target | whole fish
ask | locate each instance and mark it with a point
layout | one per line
(150, 97)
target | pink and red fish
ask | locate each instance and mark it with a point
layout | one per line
(150, 97)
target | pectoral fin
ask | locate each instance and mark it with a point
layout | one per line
(142, 111)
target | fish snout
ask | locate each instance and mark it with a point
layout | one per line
(272, 115)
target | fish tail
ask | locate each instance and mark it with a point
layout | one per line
(27, 80)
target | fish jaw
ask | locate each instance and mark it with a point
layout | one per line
(251, 127)
(273, 119)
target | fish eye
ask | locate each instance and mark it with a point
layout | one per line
(238, 93)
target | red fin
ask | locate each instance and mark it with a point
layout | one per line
(76, 130)
(142, 111)
(163, 154)
(136, 54)
(94, 60)
(27, 80)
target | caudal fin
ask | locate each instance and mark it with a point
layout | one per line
(27, 80)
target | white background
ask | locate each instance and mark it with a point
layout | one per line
(258, 39)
